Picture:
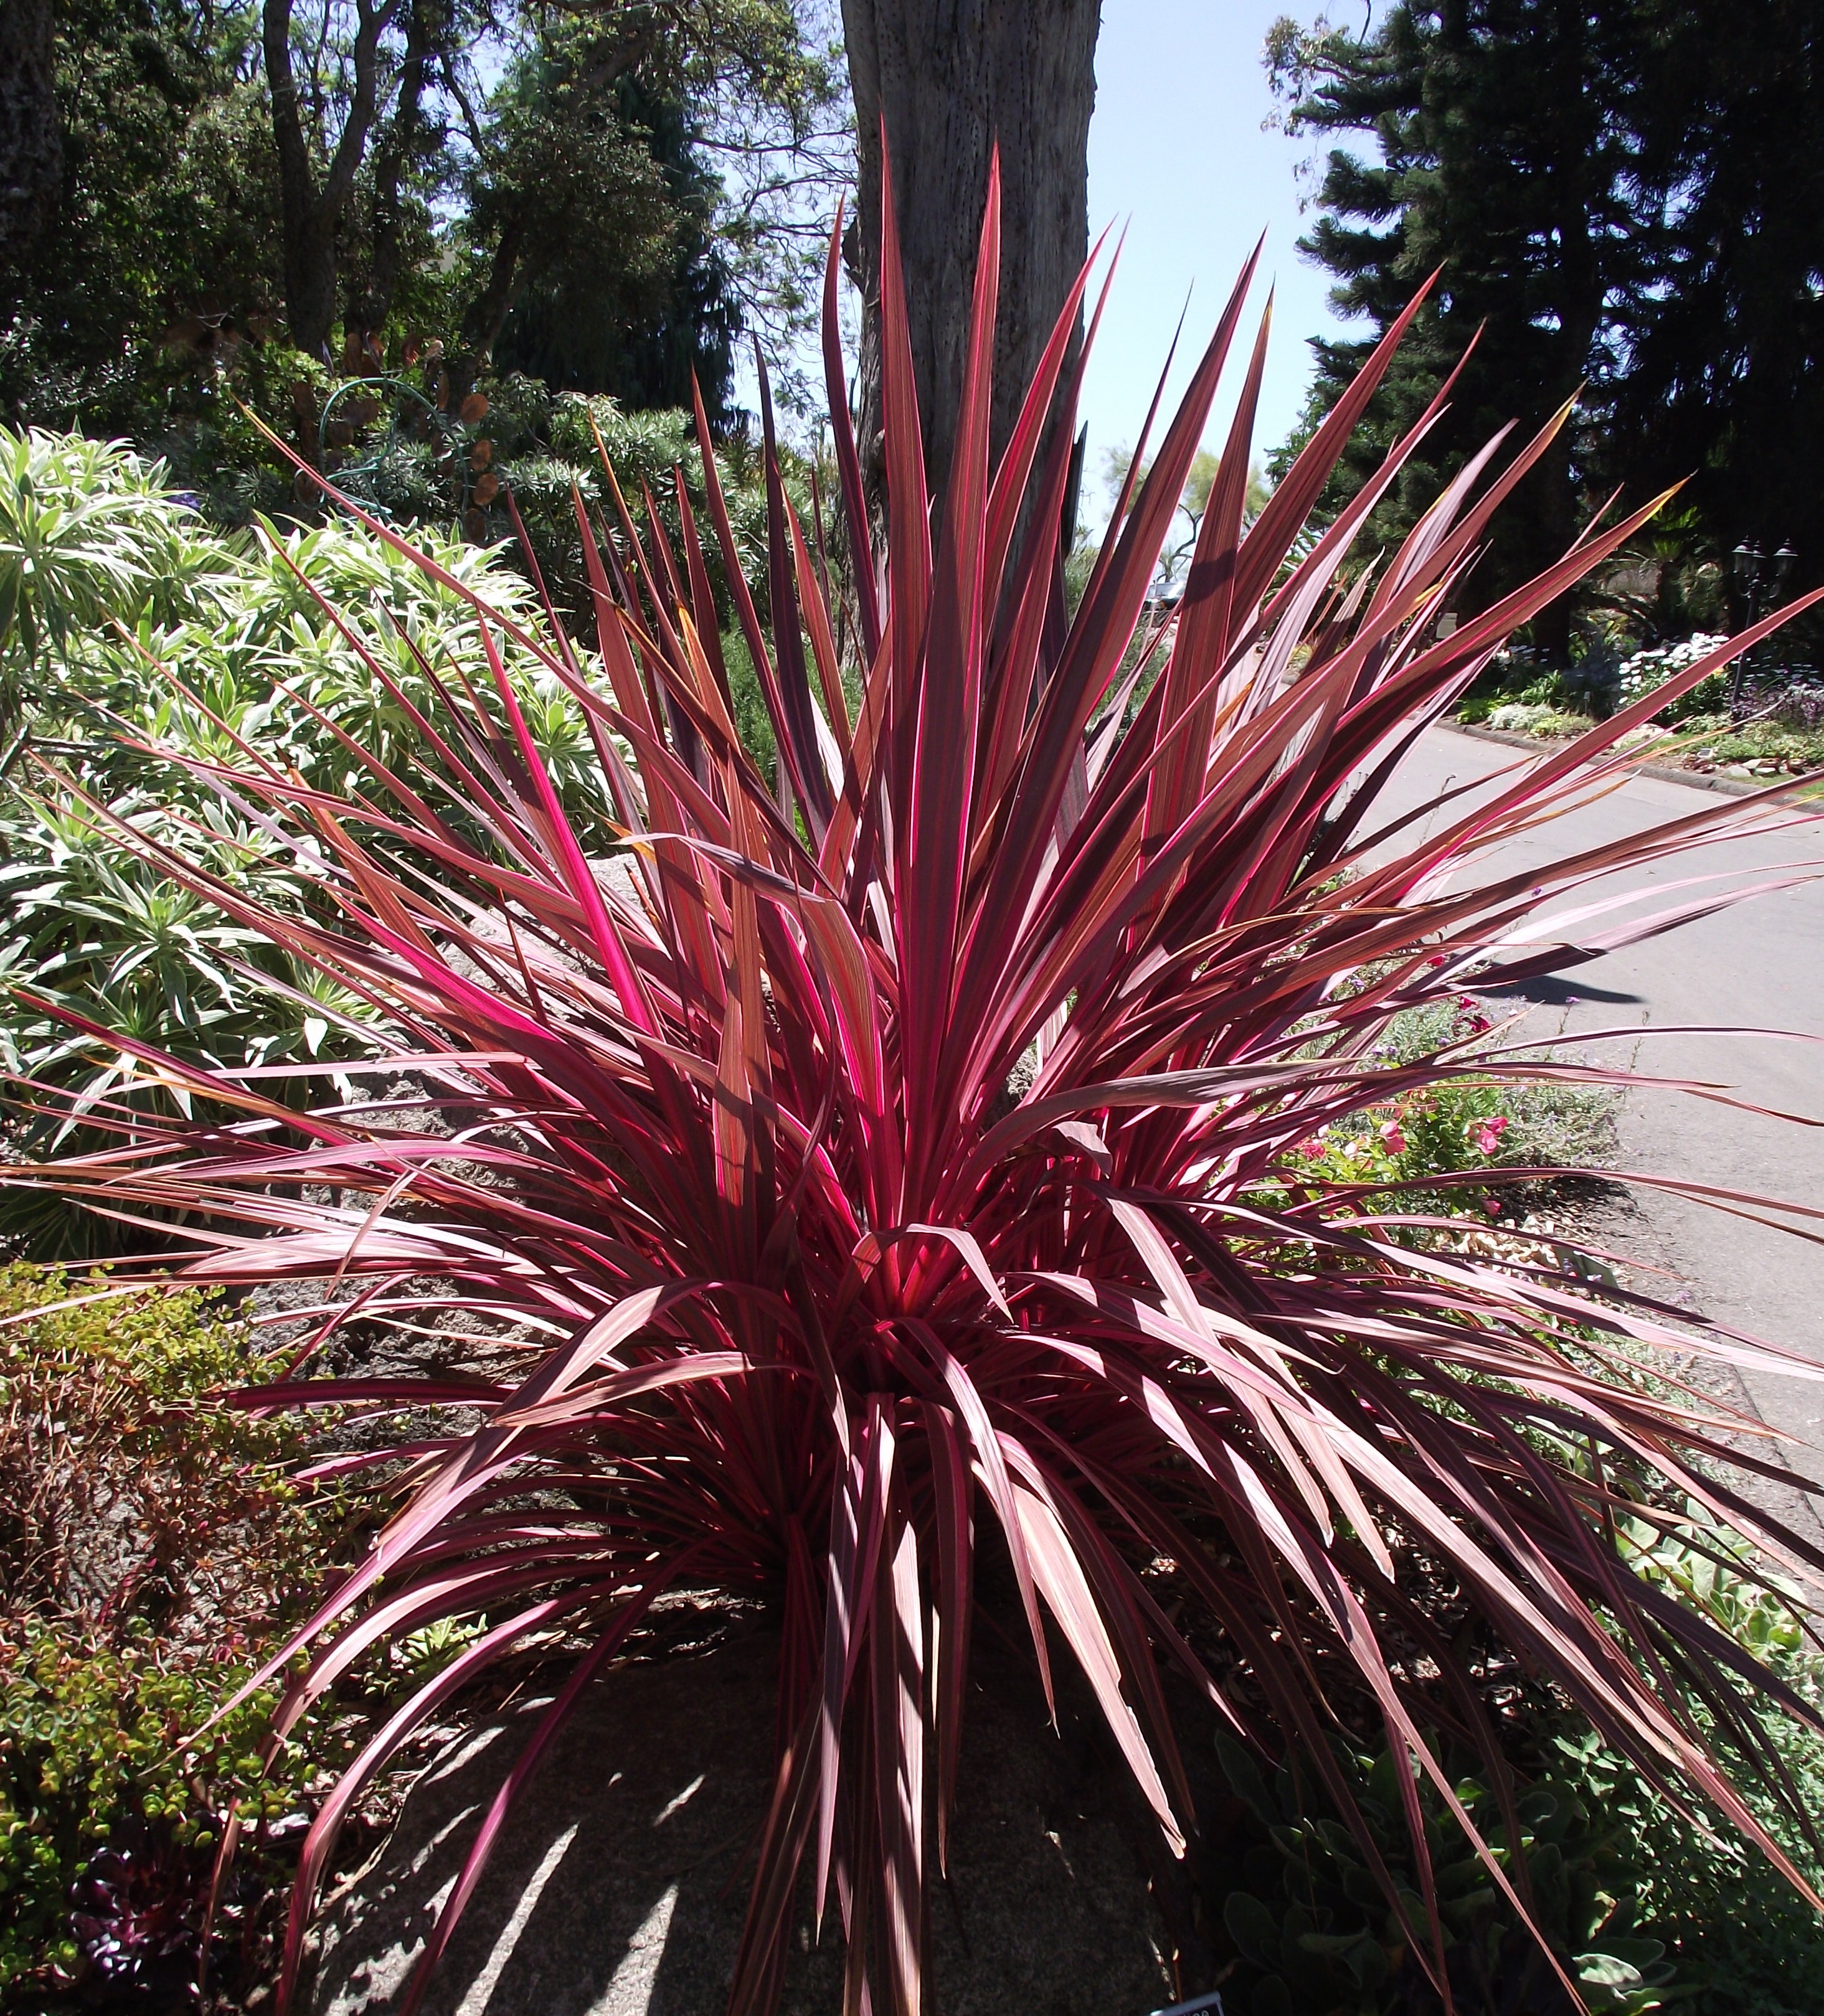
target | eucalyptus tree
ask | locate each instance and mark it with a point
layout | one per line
(948, 84)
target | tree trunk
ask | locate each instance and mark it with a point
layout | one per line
(426, 27)
(31, 141)
(486, 316)
(953, 77)
(313, 213)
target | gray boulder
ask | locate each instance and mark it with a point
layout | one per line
(618, 1887)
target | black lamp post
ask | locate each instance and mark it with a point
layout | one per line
(1754, 571)
(1749, 560)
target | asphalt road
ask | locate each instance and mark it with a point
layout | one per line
(1758, 964)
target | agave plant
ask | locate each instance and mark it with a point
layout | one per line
(890, 1158)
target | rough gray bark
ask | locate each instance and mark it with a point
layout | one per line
(953, 77)
(31, 142)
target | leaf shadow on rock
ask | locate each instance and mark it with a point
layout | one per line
(618, 1885)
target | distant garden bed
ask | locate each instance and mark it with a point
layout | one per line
(1774, 728)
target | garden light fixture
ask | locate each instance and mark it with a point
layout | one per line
(1754, 569)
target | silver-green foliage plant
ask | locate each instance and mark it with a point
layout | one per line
(1525, 717)
(90, 535)
(268, 664)
(92, 930)
(141, 628)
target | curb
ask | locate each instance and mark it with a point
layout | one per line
(1697, 780)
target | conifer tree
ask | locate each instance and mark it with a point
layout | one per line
(1504, 161)
(1723, 336)
(1622, 197)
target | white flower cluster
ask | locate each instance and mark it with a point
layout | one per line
(1647, 671)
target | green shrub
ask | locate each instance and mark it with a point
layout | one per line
(127, 1494)
(1741, 1941)
(110, 1807)
(1586, 688)
(200, 645)
(203, 420)
(89, 535)
(1644, 1908)
(1309, 1928)
(1649, 669)
(513, 436)
(266, 655)
(148, 1545)
(107, 936)
(1456, 1127)
(1536, 718)
(1716, 739)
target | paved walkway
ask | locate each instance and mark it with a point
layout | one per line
(1759, 964)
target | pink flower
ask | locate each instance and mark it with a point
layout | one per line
(1313, 1151)
(1392, 1139)
(1488, 1133)
(1492, 1205)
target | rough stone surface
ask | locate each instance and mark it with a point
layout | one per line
(618, 1887)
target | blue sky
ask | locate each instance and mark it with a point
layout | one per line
(1177, 154)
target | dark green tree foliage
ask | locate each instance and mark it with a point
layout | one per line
(643, 338)
(1724, 337)
(165, 224)
(367, 177)
(1502, 164)
(32, 150)
(405, 161)
(595, 211)
(1624, 194)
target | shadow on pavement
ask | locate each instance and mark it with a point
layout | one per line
(1549, 990)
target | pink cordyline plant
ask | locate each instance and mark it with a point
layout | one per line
(892, 1158)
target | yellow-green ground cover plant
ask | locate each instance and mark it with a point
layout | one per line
(869, 1159)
